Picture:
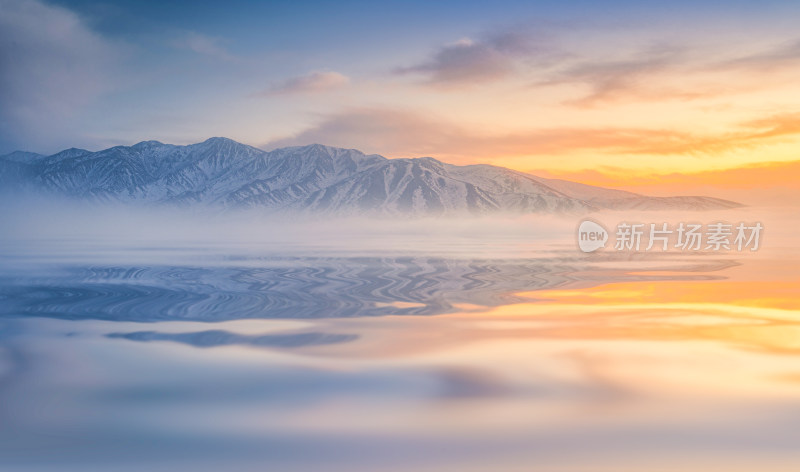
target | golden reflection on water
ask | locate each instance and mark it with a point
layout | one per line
(731, 336)
(707, 372)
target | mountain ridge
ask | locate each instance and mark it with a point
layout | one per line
(313, 178)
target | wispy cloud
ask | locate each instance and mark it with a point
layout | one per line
(405, 133)
(469, 61)
(314, 82)
(782, 55)
(620, 78)
(675, 72)
(395, 132)
(205, 45)
(51, 65)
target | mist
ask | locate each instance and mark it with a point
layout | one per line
(47, 225)
(40, 220)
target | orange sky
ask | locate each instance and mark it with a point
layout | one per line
(768, 183)
(710, 119)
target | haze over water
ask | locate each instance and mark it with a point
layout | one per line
(508, 350)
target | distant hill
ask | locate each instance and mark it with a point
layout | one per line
(314, 178)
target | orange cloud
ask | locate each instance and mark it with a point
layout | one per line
(403, 133)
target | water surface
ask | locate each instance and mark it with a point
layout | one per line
(202, 359)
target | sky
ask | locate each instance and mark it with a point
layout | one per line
(657, 97)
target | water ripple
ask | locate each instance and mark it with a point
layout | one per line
(295, 287)
(213, 338)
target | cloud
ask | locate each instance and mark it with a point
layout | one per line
(395, 132)
(669, 72)
(635, 77)
(405, 133)
(664, 142)
(748, 134)
(402, 133)
(469, 62)
(780, 56)
(51, 66)
(205, 45)
(314, 82)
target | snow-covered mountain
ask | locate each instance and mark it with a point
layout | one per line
(314, 178)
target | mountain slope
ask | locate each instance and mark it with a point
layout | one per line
(314, 178)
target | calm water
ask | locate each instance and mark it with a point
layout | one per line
(199, 358)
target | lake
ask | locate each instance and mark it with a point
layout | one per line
(533, 357)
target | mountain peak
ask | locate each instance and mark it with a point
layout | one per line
(221, 140)
(147, 144)
(68, 154)
(321, 148)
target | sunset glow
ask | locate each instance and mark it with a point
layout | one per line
(674, 96)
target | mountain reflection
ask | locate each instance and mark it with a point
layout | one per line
(313, 287)
(214, 338)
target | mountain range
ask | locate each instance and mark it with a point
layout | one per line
(314, 178)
